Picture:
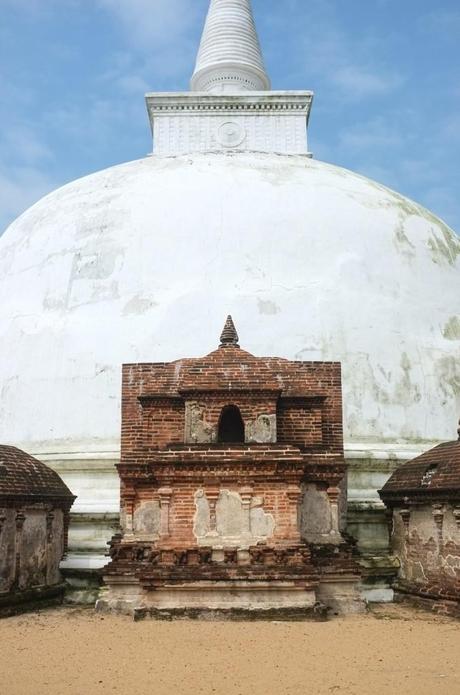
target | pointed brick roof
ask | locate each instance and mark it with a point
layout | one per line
(229, 336)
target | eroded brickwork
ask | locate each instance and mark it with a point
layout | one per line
(220, 458)
(424, 501)
(34, 518)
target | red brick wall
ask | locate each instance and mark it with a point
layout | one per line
(300, 425)
(305, 395)
(182, 510)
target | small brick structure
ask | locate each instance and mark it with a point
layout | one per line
(34, 518)
(423, 498)
(231, 467)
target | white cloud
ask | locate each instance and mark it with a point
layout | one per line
(161, 37)
(370, 135)
(21, 143)
(360, 81)
(150, 24)
(356, 65)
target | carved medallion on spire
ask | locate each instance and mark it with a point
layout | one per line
(230, 58)
(229, 336)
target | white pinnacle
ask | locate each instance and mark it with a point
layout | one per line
(229, 58)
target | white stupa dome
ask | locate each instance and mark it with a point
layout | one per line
(141, 262)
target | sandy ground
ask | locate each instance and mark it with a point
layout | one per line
(77, 652)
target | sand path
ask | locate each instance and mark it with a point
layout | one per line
(76, 652)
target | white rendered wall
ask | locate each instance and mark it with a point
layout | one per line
(143, 262)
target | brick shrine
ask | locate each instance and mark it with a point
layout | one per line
(423, 499)
(34, 520)
(232, 476)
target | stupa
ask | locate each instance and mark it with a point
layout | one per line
(231, 213)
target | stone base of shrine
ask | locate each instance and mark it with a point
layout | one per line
(235, 600)
(341, 595)
(214, 600)
(295, 581)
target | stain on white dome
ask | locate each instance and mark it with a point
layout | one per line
(142, 261)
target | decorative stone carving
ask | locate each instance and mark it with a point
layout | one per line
(165, 494)
(197, 430)
(315, 514)
(224, 516)
(127, 512)
(231, 134)
(334, 494)
(147, 519)
(49, 527)
(405, 516)
(263, 122)
(262, 430)
(456, 513)
(438, 516)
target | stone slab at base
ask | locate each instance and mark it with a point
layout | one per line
(34, 599)
(341, 595)
(213, 600)
(317, 612)
(437, 605)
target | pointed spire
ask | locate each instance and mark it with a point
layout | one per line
(229, 336)
(229, 59)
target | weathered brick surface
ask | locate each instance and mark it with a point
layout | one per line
(305, 396)
(34, 520)
(424, 498)
(24, 477)
(166, 471)
(409, 479)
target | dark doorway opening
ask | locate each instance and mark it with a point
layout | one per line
(231, 425)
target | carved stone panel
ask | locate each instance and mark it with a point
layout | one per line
(146, 519)
(315, 515)
(33, 550)
(7, 536)
(240, 521)
(197, 430)
(262, 430)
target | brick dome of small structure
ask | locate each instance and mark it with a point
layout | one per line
(22, 475)
(436, 473)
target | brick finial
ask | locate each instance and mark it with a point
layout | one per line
(229, 336)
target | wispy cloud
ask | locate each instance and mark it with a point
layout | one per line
(361, 81)
(153, 24)
(355, 65)
(159, 32)
(371, 135)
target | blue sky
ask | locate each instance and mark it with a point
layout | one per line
(385, 74)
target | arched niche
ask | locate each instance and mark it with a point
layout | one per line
(231, 426)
